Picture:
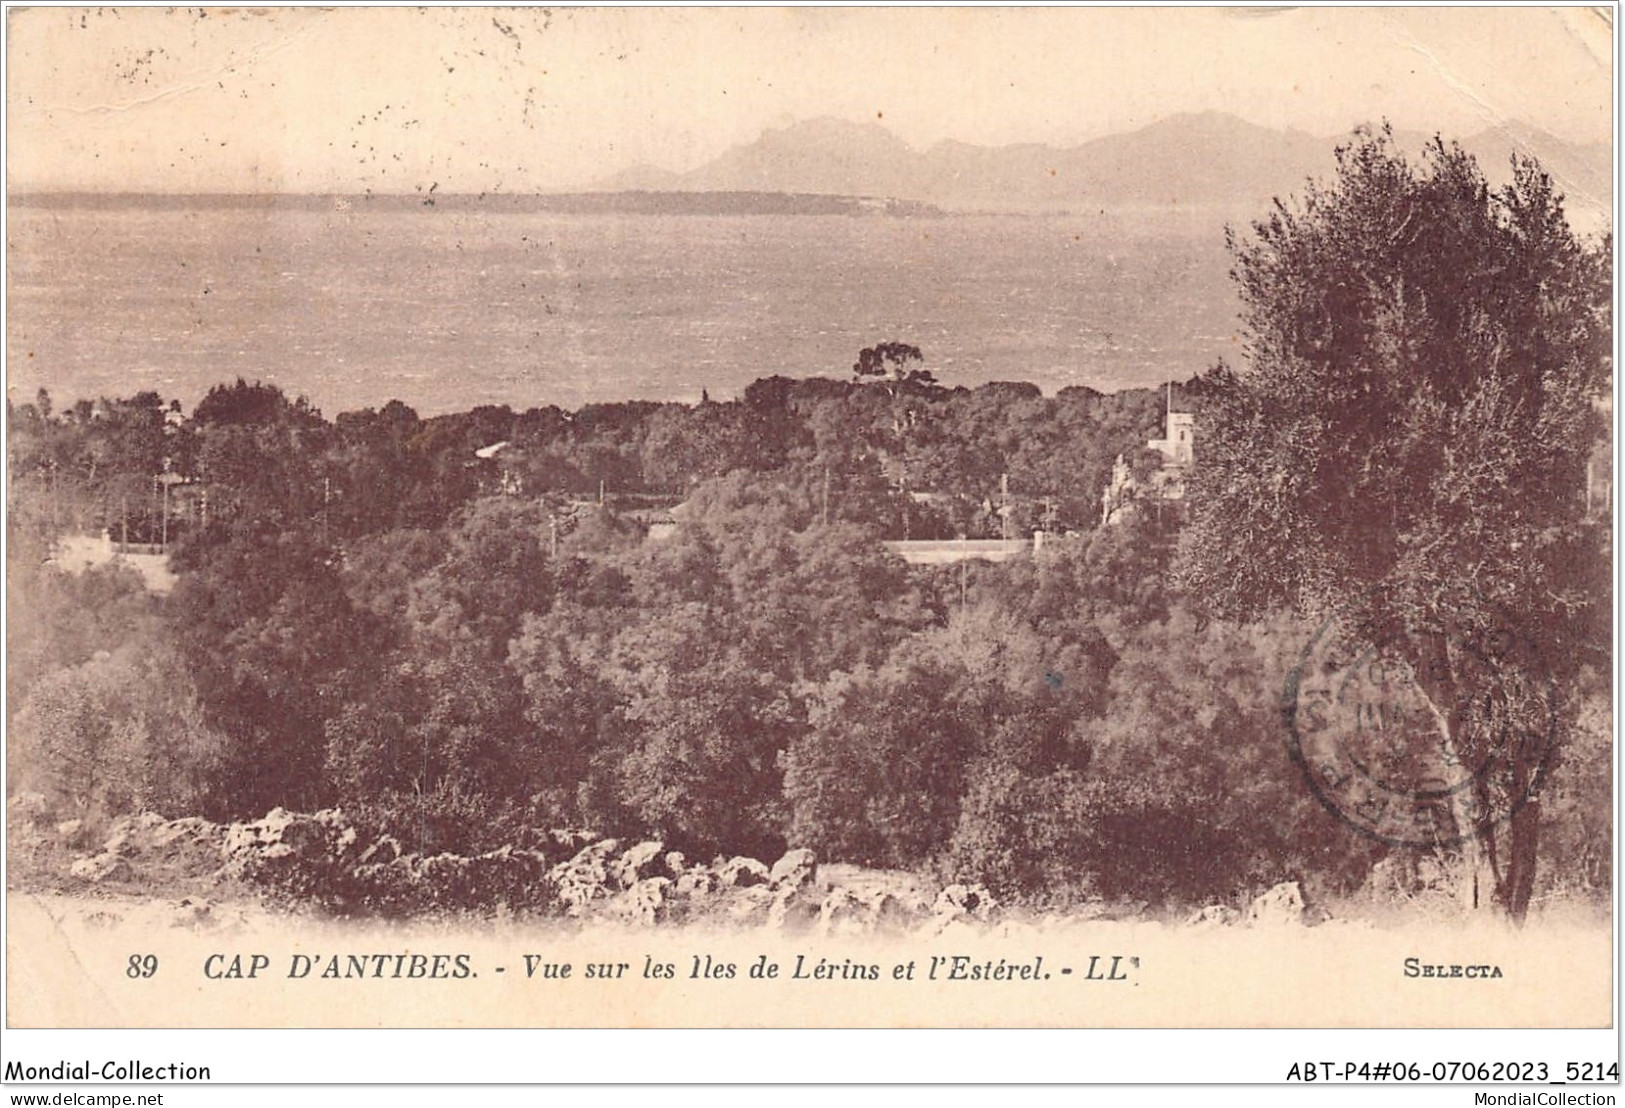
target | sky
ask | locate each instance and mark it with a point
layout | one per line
(502, 99)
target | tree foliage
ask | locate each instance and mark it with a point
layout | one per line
(1407, 444)
(899, 363)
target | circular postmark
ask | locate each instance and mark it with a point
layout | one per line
(1419, 747)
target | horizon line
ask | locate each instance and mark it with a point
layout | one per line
(593, 187)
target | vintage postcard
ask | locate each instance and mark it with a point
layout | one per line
(810, 518)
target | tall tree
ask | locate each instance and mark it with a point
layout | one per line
(900, 363)
(1407, 447)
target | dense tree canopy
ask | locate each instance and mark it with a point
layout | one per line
(1407, 446)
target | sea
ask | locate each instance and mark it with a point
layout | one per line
(447, 307)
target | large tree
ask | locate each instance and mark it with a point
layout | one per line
(1406, 450)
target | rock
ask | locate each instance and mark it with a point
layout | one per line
(326, 834)
(601, 850)
(633, 865)
(131, 835)
(964, 901)
(101, 867)
(841, 913)
(845, 912)
(644, 903)
(121, 838)
(158, 851)
(796, 869)
(382, 852)
(510, 876)
(1214, 915)
(790, 910)
(262, 836)
(795, 891)
(749, 905)
(697, 882)
(241, 839)
(575, 894)
(888, 913)
(1281, 905)
(395, 887)
(189, 829)
(188, 846)
(676, 863)
(742, 873)
(583, 878)
(296, 858)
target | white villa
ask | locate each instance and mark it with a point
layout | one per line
(1177, 447)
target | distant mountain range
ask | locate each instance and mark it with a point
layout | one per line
(1207, 160)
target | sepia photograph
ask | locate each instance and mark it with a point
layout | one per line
(810, 517)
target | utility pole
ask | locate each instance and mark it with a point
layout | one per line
(963, 572)
(1004, 506)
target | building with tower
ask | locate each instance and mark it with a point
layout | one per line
(1128, 491)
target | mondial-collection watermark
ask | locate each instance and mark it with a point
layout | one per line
(132, 1070)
